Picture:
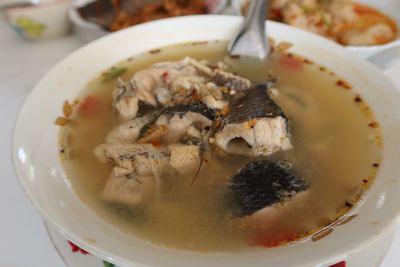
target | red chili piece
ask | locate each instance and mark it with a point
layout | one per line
(75, 248)
(339, 264)
(88, 106)
(273, 240)
(164, 77)
(291, 63)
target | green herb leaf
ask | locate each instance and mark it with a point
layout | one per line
(108, 264)
(112, 74)
(326, 20)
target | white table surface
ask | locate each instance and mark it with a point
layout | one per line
(23, 239)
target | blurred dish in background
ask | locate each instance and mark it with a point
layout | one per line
(113, 15)
(36, 20)
(95, 18)
(346, 22)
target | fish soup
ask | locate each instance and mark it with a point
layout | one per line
(189, 148)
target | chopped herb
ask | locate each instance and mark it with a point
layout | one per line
(67, 109)
(112, 74)
(322, 234)
(200, 43)
(108, 264)
(155, 51)
(346, 219)
(343, 84)
(306, 9)
(61, 121)
(326, 20)
(348, 204)
(307, 61)
(283, 46)
(373, 125)
(357, 99)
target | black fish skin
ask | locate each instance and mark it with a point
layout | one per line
(256, 103)
(194, 107)
(261, 183)
(230, 81)
(180, 110)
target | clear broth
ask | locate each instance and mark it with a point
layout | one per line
(335, 148)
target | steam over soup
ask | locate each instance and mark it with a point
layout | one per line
(189, 148)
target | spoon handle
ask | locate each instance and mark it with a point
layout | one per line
(251, 40)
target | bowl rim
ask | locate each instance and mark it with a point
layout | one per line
(78, 21)
(39, 5)
(76, 18)
(373, 48)
(332, 257)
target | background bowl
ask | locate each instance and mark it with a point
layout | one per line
(35, 149)
(48, 19)
(88, 30)
(390, 8)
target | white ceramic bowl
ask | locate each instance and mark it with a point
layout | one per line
(35, 149)
(45, 20)
(390, 8)
(40, 21)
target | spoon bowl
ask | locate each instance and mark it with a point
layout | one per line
(252, 39)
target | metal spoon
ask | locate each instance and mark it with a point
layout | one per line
(252, 40)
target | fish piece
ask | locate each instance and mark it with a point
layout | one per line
(164, 96)
(129, 131)
(186, 90)
(181, 120)
(185, 159)
(153, 135)
(211, 102)
(262, 183)
(193, 137)
(171, 123)
(200, 66)
(145, 84)
(230, 81)
(129, 190)
(255, 126)
(137, 173)
(125, 99)
(177, 83)
(186, 82)
(142, 159)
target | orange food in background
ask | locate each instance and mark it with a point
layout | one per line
(343, 21)
(153, 11)
(368, 17)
